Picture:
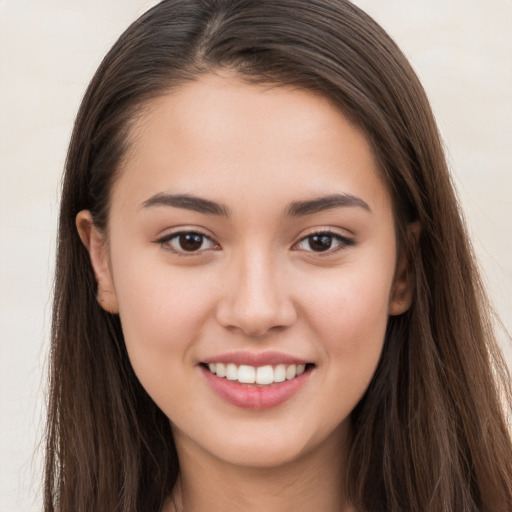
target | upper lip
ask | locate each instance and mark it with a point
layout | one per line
(255, 358)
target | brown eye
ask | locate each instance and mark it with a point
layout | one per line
(187, 242)
(324, 242)
(190, 241)
(320, 243)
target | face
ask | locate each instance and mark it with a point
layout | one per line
(251, 256)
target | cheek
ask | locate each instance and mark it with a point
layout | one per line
(162, 321)
(162, 312)
(349, 314)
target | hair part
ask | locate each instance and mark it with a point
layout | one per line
(430, 433)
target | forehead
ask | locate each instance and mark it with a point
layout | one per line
(219, 135)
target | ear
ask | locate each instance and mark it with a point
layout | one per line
(95, 243)
(403, 285)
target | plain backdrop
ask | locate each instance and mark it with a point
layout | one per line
(461, 49)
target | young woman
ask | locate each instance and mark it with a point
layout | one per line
(265, 296)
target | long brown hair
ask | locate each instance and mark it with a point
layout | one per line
(431, 433)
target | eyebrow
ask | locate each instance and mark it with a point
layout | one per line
(321, 204)
(187, 202)
(295, 209)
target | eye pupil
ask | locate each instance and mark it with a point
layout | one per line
(320, 242)
(190, 241)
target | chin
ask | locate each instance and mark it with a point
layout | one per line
(257, 447)
(261, 455)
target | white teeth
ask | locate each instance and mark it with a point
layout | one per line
(221, 369)
(291, 372)
(246, 374)
(261, 375)
(231, 372)
(264, 375)
(280, 373)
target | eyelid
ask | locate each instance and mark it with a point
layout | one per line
(344, 241)
(164, 240)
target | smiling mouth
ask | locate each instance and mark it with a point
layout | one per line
(257, 375)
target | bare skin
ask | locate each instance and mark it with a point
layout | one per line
(251, 220)
(286, 488)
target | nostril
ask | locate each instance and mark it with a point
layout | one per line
(255, 319)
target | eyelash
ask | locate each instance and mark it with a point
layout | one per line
(343, 242)
(165, 242)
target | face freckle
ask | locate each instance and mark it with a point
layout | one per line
(250, 227)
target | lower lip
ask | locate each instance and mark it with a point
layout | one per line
(252, 396)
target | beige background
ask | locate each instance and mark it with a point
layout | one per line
(462, 50)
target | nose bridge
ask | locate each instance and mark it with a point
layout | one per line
(258, 298)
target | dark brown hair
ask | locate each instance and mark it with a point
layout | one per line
(431, 433)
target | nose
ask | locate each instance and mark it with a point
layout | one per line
(256, 299)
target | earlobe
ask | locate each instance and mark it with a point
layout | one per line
(94, 242)
(404, 282)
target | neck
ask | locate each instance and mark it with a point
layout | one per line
(314, 481)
